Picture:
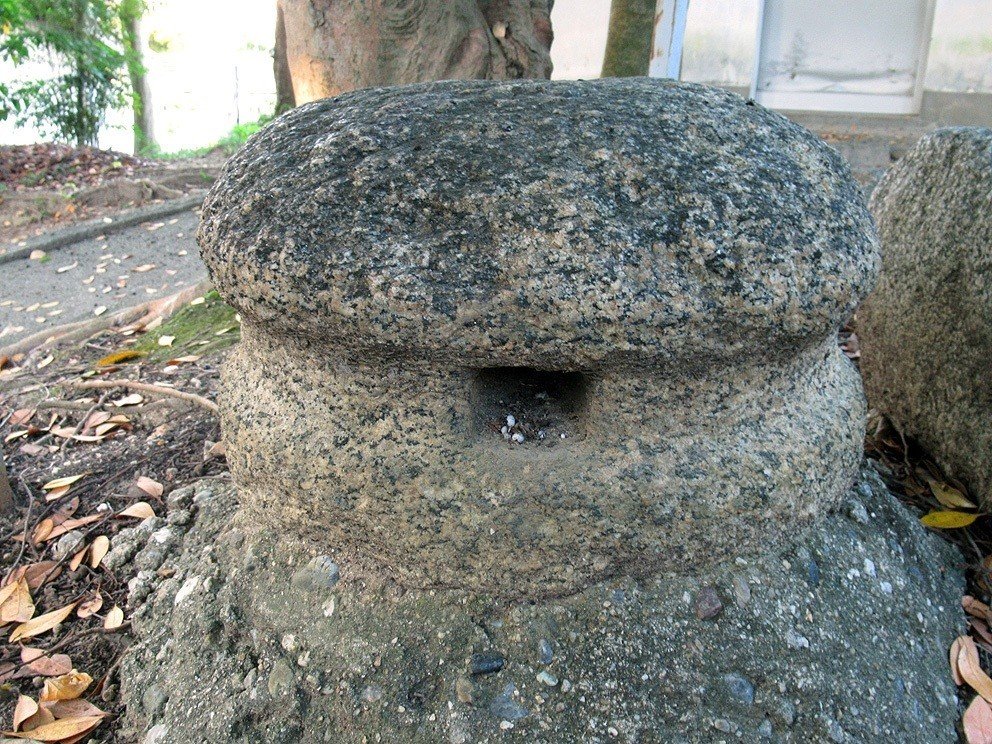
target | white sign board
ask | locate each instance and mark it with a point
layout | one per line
(842, 56)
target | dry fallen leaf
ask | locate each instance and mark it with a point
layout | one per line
(77, 559)
(41, 717)
(25, 708)
(974, 607)
(77, 708)
(71, 524)
(149, 486)
(62, 482)
(67, 687)
(166, 340)
(43, 530)
(129, 400)
(37, 662)
(977, 722)
(140, 510)
(91, 606)
(948, 520)
(60, 730)
(114, 619)
(970, 668)
(18, 607)
(99, 549)
(42, 623)
(950, 496)
(38, 573)
(21, 416)
(953, 657)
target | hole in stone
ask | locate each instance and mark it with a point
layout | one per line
(523, 405)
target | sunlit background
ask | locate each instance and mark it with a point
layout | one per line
(210, 63)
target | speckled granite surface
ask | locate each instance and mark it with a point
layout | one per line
(841, 640)
(926, 331)
(645, 277)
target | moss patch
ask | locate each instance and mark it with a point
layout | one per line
(199, 329)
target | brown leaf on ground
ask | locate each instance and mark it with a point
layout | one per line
(39, 663)
(18, 607)
(63, 730)
(977, 722)
(114, 619)
(974, 607)
(140, 510)
(38, 573)
(971, 669)
(77, 559)
(67, 687)
(41, 717)
(950, 496)
(60, 482)
(99, 549)
(91, 606)
(77, 708)
(25, 708)
(70, 524)
(953, 658)
(150, 487)
(42, 623)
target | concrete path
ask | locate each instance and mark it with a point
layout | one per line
(119, 270)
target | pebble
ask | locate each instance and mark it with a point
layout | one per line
(505, 707)
(795, 640)
(765, 730)
(814, 573)
(319, 574)
(742, 591)
(722, 724)
(739, 687)
(68, 544)
(858, 512)
(547, 678)
(487, 663)
(518, 438)
(464, 690)
(372, 694)
(544, 651)
(281, 679)
(708, 603)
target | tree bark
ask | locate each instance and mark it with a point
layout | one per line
(6, 493)
(144, 132)
(285, 99)
(628, 42)
(333, 46)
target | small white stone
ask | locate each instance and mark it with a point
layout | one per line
(886, 587)
(869, 567)
(511, 421)
(505, 725)
(518, 438)
(188, 587)
(288, 642)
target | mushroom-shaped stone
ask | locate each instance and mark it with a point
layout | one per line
(517, 337)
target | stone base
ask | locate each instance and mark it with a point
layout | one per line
(843, 639)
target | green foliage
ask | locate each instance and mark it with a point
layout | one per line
(82, 39)
(227, 144)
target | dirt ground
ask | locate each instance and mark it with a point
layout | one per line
(47, 186)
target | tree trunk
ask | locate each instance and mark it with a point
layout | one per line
(280, 67)
(6, 493)
(144, 132)
(628, 43)
(333, 46)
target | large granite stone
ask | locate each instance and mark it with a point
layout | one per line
(926, 331)
(647, 277)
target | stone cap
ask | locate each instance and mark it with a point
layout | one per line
(561, 225)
